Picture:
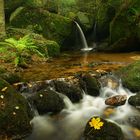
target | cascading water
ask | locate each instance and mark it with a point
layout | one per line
(83, 39)
(70, 123)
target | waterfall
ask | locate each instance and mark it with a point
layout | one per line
(83, 39)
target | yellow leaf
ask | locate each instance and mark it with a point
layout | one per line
(96, 123)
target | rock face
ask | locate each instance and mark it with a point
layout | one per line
(130, 76)
(100, 129)
(134, 100)
(15, 113)
(73, 92)
(123, 29)
(46, 101)
(116, 100)
(89, 84)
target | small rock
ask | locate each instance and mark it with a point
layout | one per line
(116, 100)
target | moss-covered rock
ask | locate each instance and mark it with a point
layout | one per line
(106, 131)
(89, 84)
(53, 48)
(52, 26)
(15, 113)
(134, 100)
(46, 101)
(73, 92)
(130, 76)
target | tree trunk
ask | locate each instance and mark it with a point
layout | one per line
(2, 19)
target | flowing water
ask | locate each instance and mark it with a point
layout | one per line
(70, 123)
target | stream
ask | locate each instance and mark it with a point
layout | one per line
(69, 63)
(70, 123)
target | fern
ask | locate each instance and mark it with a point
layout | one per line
(15, 49)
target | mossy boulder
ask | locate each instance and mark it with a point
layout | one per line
(130, 76)
(15, 113)
(46, 101)
(52, 26)
(107, 131)
(72, 91)
(53, 48)
(89, 84)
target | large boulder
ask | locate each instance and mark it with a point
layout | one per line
(52, 26)
(72, 91)
(47, 100)
(15, 113)
(100, 129)
(130, 76)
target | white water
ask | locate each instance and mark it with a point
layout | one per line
(83, 39)
(70, 123)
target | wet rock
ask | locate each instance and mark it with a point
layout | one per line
(100, 129)
(73, 92)
(15, 113)
(134, 100)
(116, 100)
(46, 101)
(89, 84)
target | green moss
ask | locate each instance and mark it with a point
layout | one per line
(52, 26)
(130, 76)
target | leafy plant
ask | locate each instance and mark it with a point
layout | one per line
(18, 49)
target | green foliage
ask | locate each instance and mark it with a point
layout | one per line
(130, 76)
(19, 49)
